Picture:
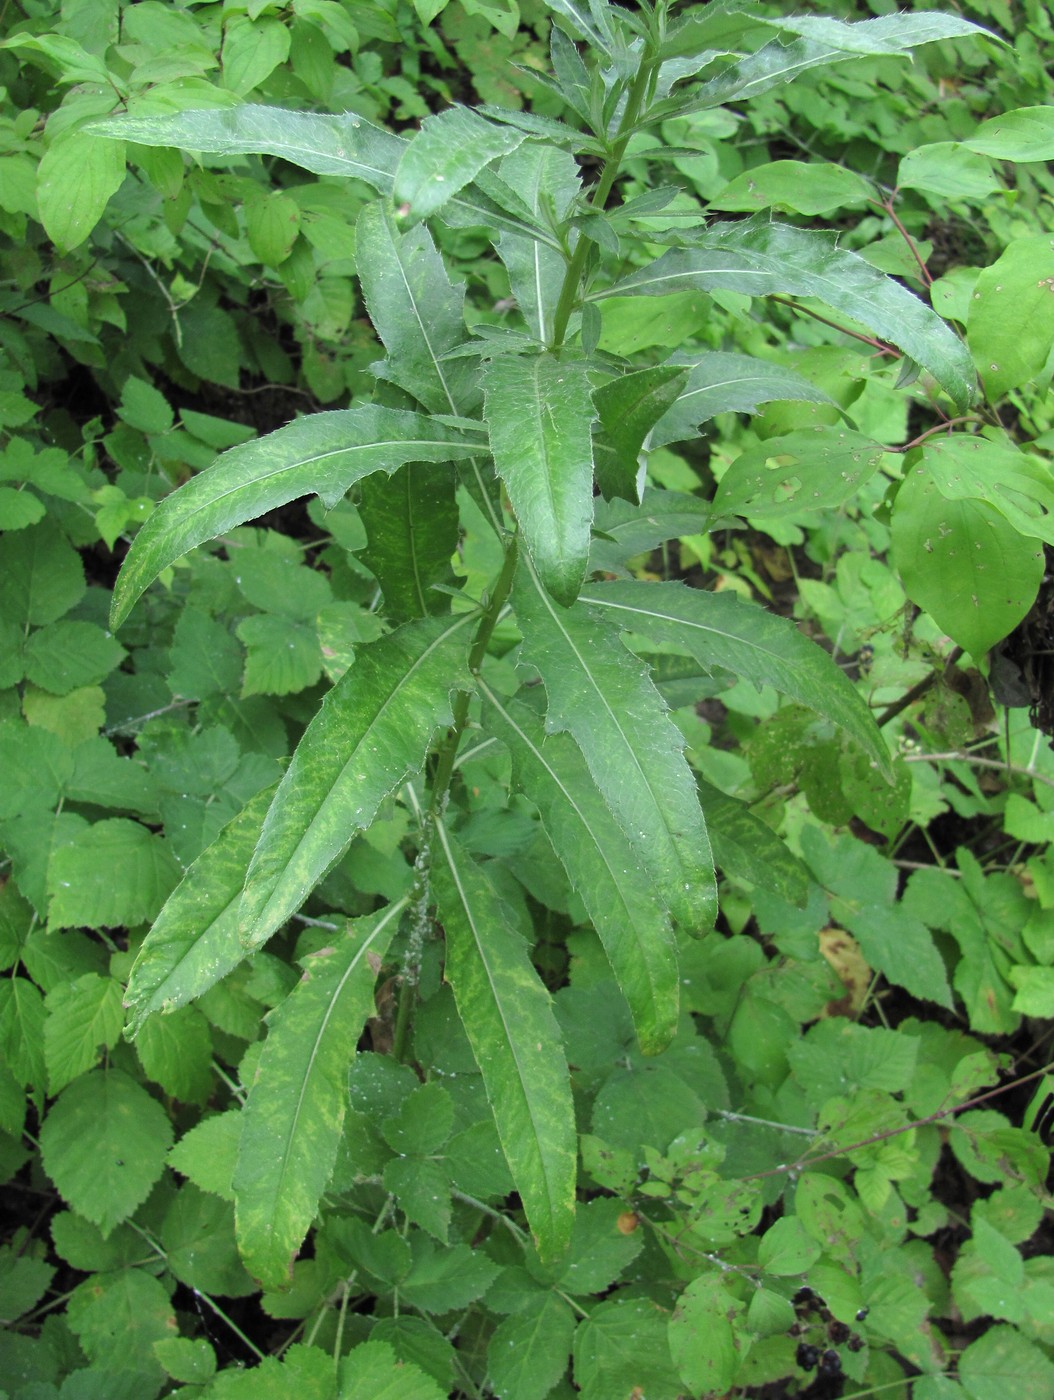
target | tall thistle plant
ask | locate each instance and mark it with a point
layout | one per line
(549, 434)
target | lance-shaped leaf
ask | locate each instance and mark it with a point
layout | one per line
(415, 310)
(446, 154)
(760, 258)
(603, 866)
(508, 1017)
(629, 407)
(411, 522)
(602, 695)
(371, 734)
(539, 413)
(344, 144)
(321, 455)
(719, 629)
(724, 383)
(292, 1120)
(624, 530)
(542, 176)
(747, 848)
(194, 941)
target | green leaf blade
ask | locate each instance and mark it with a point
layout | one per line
(602, 695)
(629, 918)
(721, 382)
(448, 153)
(515, 1039)
(539, 411)
(372, 732)
(719, 629)
(292, 1120)
(322, 455)
(761, 258)
(411, 522)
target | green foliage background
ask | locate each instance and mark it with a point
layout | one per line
(884, 951)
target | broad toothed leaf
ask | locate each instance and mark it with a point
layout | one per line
(761, 258)
(602, 695)
(539, 413)
(630, 919)
(447, 153)
(415, 310)
(372, 732)
(292, 1120)
(508, 1017)
(194, 941)
(719, 629)
(321, 455)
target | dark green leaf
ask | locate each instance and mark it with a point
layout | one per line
(507, 1016)
(602, 864)
(447, 153)
(292, 1120)
(411, 522)
(539, 412)
(372, 732)
(761, 258)
(602, 695)
(629, 408)
(724, 383)
(323, 455)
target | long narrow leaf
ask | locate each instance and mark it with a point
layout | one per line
(344, 144)
(371, 734)
(321, 455)
(719, 382)
(543, 177)
(194, 941)
(507, 1015)
(761, 258)
(629, 918)
(447, 153)
(292, 1120)
(603, 696)
(411, 522)
(719, 629)
(415, 310)
(539, 413)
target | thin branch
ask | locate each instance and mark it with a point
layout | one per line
(998, 764)
(879, 345)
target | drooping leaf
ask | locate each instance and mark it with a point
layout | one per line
(761, 258)
(292, 1120)
(507, 1016)
(719, 629)
(75, 179)
(602, 695)
(545, 178)
(629, 407)
(811, 469)
(194, 942)
(719, 382)
(411, 521)
(602, 864)
(447, 153)
(323, 455)
(963, 562)
(416, 311)
(539, 413)
(103, 1144)
(747, 848)
(372, 732)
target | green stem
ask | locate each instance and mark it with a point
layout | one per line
(573, 276)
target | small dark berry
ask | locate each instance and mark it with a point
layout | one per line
(825, 1314)
(855, 1343)
(795, 1329)
(838, 1332)
(830, 1364)
(862, 1314)
(802, 1298)
(807, 1356)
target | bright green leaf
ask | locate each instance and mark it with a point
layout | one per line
(1011, 323)
(76, 177)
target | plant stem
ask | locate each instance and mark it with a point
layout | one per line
(573, 276)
